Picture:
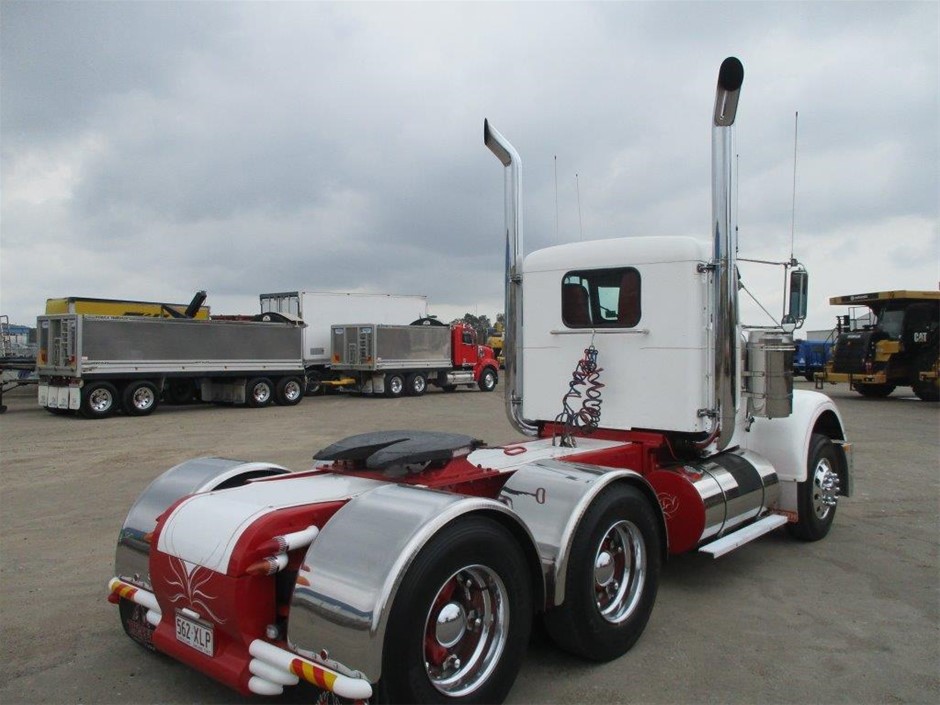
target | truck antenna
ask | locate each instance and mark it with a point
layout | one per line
(796, 124)
(577, 184)
(556, 198)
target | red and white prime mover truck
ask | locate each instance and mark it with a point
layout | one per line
(408, 566)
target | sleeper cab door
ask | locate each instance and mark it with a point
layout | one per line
(642, 303)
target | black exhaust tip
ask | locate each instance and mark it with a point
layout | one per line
(731, 74)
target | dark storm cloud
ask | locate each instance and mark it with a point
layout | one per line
(150, 149)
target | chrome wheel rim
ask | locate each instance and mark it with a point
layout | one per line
(490, 380)
(419, 384)
(396, 385)
(143, 398)
(292, 391)
(466, 630)
(261, 393)
(620, 563)
(100, 400)
(825, 488)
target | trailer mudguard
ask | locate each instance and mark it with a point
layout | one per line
(551, 497)
(131, 560)
(785, 441)
(349, 578)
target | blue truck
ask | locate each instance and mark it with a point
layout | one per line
(810, 357)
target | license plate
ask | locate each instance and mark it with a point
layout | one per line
(195, 634)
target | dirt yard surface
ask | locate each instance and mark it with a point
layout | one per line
(854, 618)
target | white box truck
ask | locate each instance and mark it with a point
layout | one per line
(321, 309)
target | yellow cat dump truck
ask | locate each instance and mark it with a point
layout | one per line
(897, 346)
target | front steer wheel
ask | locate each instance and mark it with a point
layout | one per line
(460, 624)
(816, 496)
(613, 576)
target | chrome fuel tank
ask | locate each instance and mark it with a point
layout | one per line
(704, 501)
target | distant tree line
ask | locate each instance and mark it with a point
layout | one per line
(482, 324)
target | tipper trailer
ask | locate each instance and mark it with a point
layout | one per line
(396, 360)
(408, 566)
(319, 310)
(97, 365)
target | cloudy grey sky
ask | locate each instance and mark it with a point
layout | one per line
(153, 149)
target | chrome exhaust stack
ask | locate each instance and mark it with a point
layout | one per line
(724, 227)
(512, 337)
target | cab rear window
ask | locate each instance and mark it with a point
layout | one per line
(601, 298)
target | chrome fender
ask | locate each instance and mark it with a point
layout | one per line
(785, 442)
(349, 578)
(551, 497)
(131, 559)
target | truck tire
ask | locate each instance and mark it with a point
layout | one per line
(140, 398)
(460, 625)
(928, 389)
(394, 385)
(487, 381)
(99, 400)
(815, 492)
(259, 392)
(416, 384)
(179, 391)
(612, 579)
(874, 390)
(314, 384)
(289, 391)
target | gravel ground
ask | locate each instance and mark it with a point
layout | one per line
(854, 618)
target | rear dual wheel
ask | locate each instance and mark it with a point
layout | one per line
(289, 391)
(613, 577)
(99, 400)
(460, 625)
(140, 398)
(259, 392)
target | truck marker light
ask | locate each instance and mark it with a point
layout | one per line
(268, 566)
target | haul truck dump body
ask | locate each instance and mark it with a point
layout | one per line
(96, 364)
(408, 566)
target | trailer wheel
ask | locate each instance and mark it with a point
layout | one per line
(874, 390)
(487, 381)
(459, 628)
(289, 391)
(259, 392)
(99, 400)
(140, 398)
(816, 496)
(613, 576)
(179, 391)
(394, 385)
(416, 384)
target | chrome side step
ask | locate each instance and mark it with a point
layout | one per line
(738, 538)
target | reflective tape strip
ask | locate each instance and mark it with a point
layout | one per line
(313, 674)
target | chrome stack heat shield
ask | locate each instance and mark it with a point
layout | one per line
(724, 230)
(512, 339)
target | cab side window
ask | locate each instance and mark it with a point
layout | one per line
(601, 298)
